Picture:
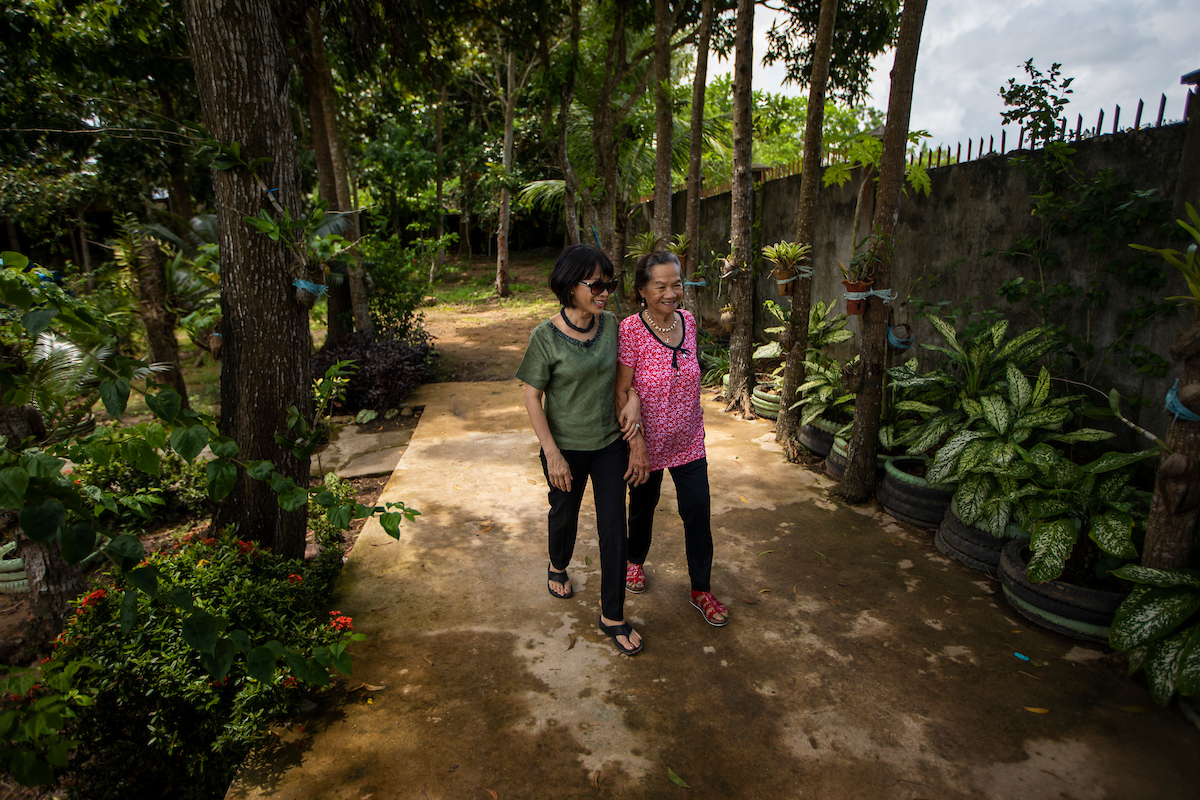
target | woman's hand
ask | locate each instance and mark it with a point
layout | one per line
(639, 463)
(630, 417)
(559, 471)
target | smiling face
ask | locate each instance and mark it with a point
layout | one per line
(582, 297)
(664, 291)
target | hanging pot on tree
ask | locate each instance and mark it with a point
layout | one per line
(785, 281)
(726, 319)
(855, 307)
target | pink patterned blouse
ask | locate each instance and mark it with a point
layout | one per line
(668, 382)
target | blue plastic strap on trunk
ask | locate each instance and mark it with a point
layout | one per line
(1178, 409)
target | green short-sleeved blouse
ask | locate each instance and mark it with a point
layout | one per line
(578, 380)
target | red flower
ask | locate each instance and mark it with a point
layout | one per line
(294, 579)
(209, 542)
(341, 622)
(92, 599)
(245, 547)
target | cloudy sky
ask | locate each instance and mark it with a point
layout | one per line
(1117, 50)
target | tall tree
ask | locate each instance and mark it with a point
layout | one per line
(242, 77)
(786, 424)
(664, 119)
(691, 299)
(858, 482)
(741, 368)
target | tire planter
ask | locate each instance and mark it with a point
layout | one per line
(913, 499)
(817, 436)
(835, 462)
(1075, 611)
(972, 546)
(765, 405)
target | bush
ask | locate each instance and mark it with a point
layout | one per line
(179, 488)
(399, 279)
(160, 725)
(387, 369)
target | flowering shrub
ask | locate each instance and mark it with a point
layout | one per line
(125, 496)
(163, 721)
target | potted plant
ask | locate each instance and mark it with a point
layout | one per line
(1058, 501)
(643, 244)
(981, 461)
(948, 397)
(859, 275)
(827, 406)
(678, 246)
(785, 258)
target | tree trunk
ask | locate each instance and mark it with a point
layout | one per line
(691, 297)
(242, 78)
(155, 310)
(179, 198)
(664, 121)
(741, 282)
(85, 252)
(52, 586)
(439, 210)
(858, 482)
(1170, 531)
(326, 185)
(505, 211)
(341, 170)
(787, 427)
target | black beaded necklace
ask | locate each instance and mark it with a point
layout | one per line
(575, 327)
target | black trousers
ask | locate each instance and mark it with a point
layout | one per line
(606, 467)
(695, 506)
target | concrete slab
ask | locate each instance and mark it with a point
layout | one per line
(354, 451)
(859, 662)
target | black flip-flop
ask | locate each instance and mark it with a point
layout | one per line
(558, 577)
(613, 631)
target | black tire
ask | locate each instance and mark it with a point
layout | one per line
(835, 465)
(914, 485)
(816, 440)
(764, 409)
(960, 557)
(916, 523)
(1074, 611)
(974, 542)
(1014, 560)
(892, 498)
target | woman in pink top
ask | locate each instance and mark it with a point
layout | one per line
(656, 356)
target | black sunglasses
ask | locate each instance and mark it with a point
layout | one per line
(598, 286)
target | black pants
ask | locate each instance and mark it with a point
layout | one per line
(606, 467)
(691, 486)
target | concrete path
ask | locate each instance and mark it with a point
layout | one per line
(859, 662)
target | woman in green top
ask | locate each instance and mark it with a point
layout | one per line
(570, 364)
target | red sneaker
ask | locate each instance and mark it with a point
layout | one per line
(711, 609)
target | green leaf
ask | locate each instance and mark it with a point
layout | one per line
(126, 551)
(995, 412)
(1041, 389)
(1149, 615)
(1044, 507)
(1081, 435)
(948, 333)
(339, 517)
(391, 523)
(114, 393)
(77, 541)
(1051, 543)
(129, 604)
(38, 320)
(241, 640)
(947, 455)
(1052, 418)
(930, 434)
(200, 631)
(179, 597)
(1112, 531)
(1159, 577)
(342, 663)
(325, 498)
(224, 447)
(293, 499)
(165, 404)
(220, 660)
(260, 470)
(675, 779)
(29, 770)
(222, 474)
(41, 465)
(141, 455)
(1162, 666)
(1114, 460)
(916, 406)
(13, 483)
(189, 441)
(1188, 682)
(997, 513)
(260, 663)
(1020, 393)
(970, 497)
(156, 436)
(144, 579)
(41, 523)
(10, 259)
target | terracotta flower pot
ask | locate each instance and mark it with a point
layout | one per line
(855, 307)
(785, 281)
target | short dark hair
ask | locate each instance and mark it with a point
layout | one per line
(574, 265)
(641, 273)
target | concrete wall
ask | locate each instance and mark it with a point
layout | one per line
(950, 245)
